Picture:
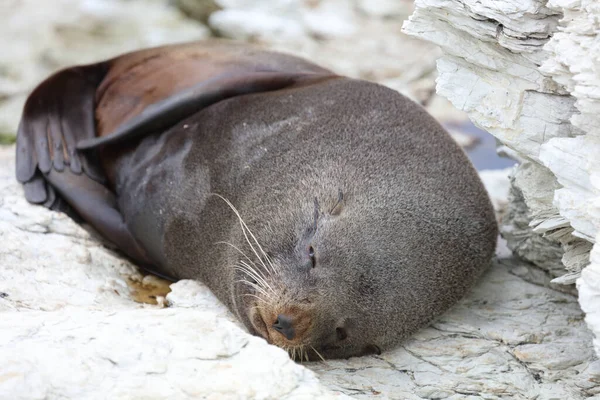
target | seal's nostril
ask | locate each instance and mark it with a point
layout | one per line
(341, 333)
(283, 324)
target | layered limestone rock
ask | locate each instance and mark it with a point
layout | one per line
(529, 73)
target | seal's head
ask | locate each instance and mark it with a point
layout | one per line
(302, 296)
(347, 275)
(363, 220)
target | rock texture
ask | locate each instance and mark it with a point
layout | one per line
(74, 32)
(529, 73)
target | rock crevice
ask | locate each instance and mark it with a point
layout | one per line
(534, 85)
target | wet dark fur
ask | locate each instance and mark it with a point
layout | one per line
(412, 232)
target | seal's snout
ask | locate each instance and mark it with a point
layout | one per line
(284, 325)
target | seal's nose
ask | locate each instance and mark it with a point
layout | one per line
(284, 325)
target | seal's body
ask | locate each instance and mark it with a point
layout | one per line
(333, 216)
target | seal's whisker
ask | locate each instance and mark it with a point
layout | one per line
(245, 226)
(274, 267)
(244, 229)
(256, 277)
(251, 272)
(245, 268)
(301, 354)
(319, 354)
(277, 270)
(257, 298)
(258, 273)
(256, 287)
(239, 251)
(249, 260)
(252, 280)
(257, 308)
(242, 224)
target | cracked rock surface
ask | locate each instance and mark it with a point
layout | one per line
(69, 328)
(528, 72)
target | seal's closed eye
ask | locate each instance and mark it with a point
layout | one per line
(341, 333)
(311, 254)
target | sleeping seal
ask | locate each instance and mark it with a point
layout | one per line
(333, 216)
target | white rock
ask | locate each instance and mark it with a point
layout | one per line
(589, 294)
(251, 24)
(146, 353)
(497, 184)
(242, 19)
(69, 327)
(383, 8)
(533, 81)
(74, 32)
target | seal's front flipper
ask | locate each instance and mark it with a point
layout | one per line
(58, 114)
(151, 90)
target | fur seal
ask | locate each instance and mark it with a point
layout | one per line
(333, 216)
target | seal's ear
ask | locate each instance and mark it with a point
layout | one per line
(372, 349)
(339, 205)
